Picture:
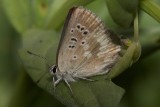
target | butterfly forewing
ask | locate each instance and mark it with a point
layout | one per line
(87, 48)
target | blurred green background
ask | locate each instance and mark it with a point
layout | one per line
(141, 81)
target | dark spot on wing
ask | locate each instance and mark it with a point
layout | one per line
(74, 39)
(85, 32)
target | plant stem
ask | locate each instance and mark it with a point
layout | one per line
(136, 28)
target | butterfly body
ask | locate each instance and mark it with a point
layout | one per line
(87, 48)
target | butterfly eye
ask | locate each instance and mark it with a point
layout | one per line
(53, 69)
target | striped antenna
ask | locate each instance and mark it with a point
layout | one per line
(31, 53)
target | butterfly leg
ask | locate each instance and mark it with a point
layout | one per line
(68, 85)
(87, 79)
(56, 82)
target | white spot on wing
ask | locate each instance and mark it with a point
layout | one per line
(86, 46)
(104, 42)
(113, 50)
(101, 38)
(89, 55)
(86, 53)
(111, 59)
(97, 33)
(103, 47)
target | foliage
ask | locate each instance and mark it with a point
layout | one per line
(35, 26)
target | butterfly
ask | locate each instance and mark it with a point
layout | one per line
(87, 48)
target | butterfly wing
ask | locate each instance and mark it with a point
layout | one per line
(100, 58)
(87, 48)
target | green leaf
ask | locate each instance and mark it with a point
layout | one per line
(59, 10)
(151, 8)
(100, 93)
(39, 42)
(131, 55)
(40, 10)
(121, 16)
(128, 5)
(19, 13)
(126, 61)
(150, 41)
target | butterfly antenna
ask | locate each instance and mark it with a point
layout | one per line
(31, 53)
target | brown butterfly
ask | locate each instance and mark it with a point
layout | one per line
(87, 48)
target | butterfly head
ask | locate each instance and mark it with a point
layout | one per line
(53, 69)
(57, 75)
